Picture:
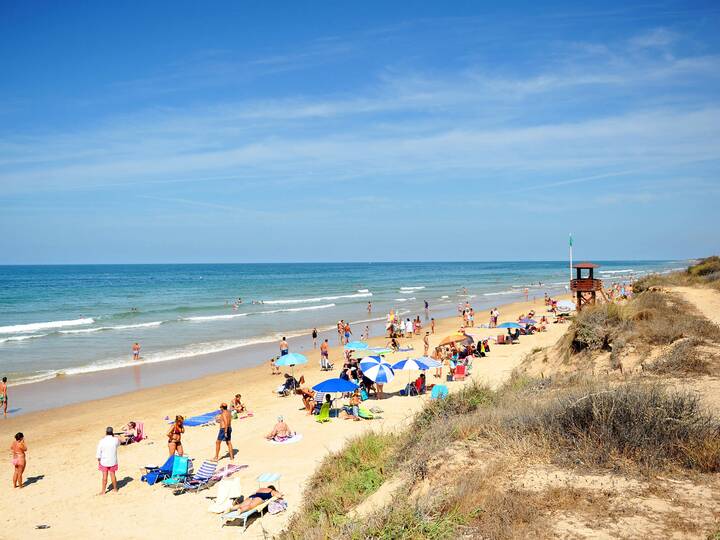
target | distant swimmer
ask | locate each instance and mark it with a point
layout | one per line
(136, 351)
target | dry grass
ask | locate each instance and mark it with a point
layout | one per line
(683, 358)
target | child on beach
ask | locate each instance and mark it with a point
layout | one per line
(275, 369)
(18, 449)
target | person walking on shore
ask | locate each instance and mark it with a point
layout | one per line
(225, 433)
(369, 308)
(324, 352)
(426, 343)
(107, 459)
(136, 351)
(284, 347)
(314, 336)
(18, 449)
(4, 395)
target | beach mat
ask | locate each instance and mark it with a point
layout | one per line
(295, 438)
(200, 420)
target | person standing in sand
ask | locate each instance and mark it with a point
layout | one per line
(18, 449)
(136, 351)
(107, 459)
(225, 433)
(426, 343)
(314, 336)
(284, 347)
(324, 352)
(432, 325)
(4, 395)
(175, 436)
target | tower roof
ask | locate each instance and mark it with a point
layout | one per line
(586, 265)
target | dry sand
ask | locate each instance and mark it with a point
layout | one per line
(62, 469)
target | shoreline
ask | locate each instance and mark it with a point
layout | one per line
(63, 390)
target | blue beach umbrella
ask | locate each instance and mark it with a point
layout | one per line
(508, 325)
(356, 346)
(335, 385)
(369, 361)
(376, 370)
(291, 359)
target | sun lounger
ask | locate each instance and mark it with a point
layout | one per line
(324, 415)
(200, 479)
(182, 467)
(244, 516)
(156, 474)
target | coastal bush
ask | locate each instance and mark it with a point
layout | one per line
(705, 273)
(644, 424)
(343, 480)
(705, 267)
(596, 327)
(683, 358)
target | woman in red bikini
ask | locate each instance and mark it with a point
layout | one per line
(175, 436)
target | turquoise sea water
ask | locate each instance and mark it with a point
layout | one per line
(79, 319)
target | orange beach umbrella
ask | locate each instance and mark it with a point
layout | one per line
(454, 338)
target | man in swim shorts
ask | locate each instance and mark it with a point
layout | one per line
(225, 433)
(284, 347)
(136, 351)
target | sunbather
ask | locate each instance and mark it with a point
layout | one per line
(257, 498)
(308, 399)
(128, 433)
(237, 404)
(280, 431)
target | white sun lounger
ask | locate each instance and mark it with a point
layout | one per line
(236, 514)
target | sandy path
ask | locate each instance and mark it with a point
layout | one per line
(707, 301)
(62, 448)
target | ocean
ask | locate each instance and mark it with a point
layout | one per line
(68, 320)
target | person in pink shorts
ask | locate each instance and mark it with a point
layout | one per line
(107, 459)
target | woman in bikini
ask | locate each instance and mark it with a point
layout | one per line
(18, 449)
(175, 436)
(256, 499)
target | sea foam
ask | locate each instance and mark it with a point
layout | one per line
(34, 327)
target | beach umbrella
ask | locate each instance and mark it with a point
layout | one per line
(566, 305)
(429, 362)
(335, 385)
(410, 364)
(291, 359)
(376, 370)
(456, 337)
(528, 321)
(508, 325)
(356, 346)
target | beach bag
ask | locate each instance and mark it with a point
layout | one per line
(363, 394)
(275, 507)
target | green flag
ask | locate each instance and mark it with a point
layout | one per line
(571, 240)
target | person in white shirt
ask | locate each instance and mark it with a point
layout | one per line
(107, 459)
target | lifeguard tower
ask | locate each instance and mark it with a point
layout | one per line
(585, 288)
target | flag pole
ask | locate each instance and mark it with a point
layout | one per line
(570, 256)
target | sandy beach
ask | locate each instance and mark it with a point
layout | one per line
(62, 472)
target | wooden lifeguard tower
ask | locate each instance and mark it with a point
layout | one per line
(586, 287)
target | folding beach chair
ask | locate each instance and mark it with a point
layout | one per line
(319, 400)
(155, 474)
(182, 467)
(244, 516)
(459, 374)
(200, 480)
(324, 415)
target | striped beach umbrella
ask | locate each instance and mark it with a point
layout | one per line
(376, 370)
(411, 364)
(429, 362)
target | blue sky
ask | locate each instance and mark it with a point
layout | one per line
(310, 131)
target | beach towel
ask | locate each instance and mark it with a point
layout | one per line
(200, 420)
(296, 437)
(226, 471)
(365, 413)
(227, 491)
